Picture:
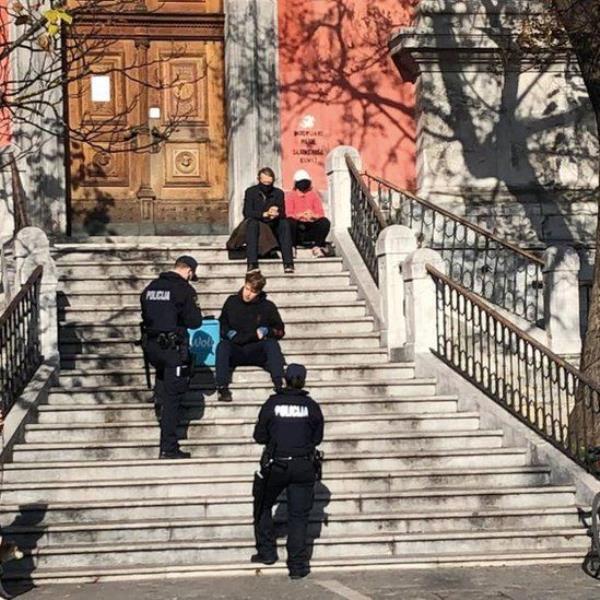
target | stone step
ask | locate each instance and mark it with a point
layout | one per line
(320, 526)
(340, 326)
(244, 428)
(83, 444)
(106, 467)
(281, 295)
(82, 269)
(186, 477)
(131, 314)
(96, 574)
(242, 375)
(353, 502)
(379, 544)
(117, 413)
(71, 342)
(166, 250)
(321, 390)
(211, 283)
(135, 361)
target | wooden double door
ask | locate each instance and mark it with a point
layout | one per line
(148, 135)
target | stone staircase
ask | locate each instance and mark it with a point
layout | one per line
(409, 480)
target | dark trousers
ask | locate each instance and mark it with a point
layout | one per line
(281, 230)
(310, 233)
(297, 478)
(264, 353)
(171, 384)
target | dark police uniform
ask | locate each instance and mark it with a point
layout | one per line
(169, 307)
(290, 425)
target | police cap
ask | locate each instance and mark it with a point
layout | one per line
(295, 371)
(190, 262)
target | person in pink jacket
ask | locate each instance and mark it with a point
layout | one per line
(304, 210)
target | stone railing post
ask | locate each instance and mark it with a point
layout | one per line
(561, 299)
(32, 249)
(339, 185)
(421, 301)
(394, 244)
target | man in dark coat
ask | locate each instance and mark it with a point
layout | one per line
(264, 203)
(290, 426)
(250, 328)
(169, 308)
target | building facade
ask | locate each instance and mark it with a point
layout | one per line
(204, 92)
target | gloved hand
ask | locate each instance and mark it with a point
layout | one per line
(262, 332)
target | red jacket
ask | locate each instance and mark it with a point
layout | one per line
(297, 202)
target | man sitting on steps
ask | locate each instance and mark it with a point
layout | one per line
(250, 328)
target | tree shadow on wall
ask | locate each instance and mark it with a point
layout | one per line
(343, 59)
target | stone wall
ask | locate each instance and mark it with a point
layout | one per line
(501, 138)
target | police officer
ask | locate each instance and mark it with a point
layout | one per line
(290, 425)
(169, 308)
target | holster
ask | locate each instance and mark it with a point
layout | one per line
(317, 459)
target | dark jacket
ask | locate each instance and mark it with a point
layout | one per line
(290, 423)
(240, 320)
(266, 238)
(256, 202)
(170, 303)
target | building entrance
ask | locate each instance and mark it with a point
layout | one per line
(151, 155)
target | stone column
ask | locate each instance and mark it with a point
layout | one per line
(32, 249)
(339, 185)
(38, 138)
(561, 299)
(421, 301)
(252, 95)
(394, 245)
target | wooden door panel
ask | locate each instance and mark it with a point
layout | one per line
(191, 165)
(104, 168)
(181, 178)
(185, 6)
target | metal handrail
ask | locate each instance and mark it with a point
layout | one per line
(496, 269)
(20, 344)
(536, 385)
(383, 222)
(467, 224)
(366, 220)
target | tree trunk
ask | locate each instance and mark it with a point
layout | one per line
(580, 19)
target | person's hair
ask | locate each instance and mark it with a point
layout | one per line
(295, 382)
(256, 280)
(268, 172)
(180, 264)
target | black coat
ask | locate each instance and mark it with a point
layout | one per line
(290, 423)
(170, 303)
(257, 202)
(244, 318)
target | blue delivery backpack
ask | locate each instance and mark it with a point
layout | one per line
(203, 343)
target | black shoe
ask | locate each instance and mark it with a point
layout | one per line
(288, 268)
(175, 454)
(265, 560)
(299, 574)
(252, 267)
(224, 395)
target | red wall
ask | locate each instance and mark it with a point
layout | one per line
(339, 86)
(4, 115)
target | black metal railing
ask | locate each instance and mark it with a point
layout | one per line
(367, 220)
(534, 384)
(497, 270)
(20, 349)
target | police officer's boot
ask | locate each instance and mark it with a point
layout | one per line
(265, 560)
